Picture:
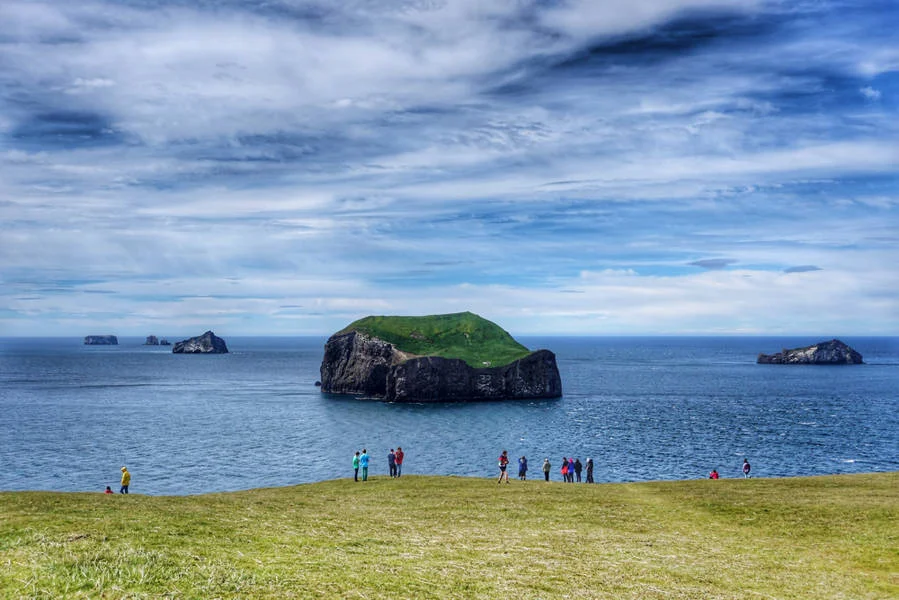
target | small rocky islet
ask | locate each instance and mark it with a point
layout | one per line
(833, 352)
(437, 358)
(208, 343)
(101, 340)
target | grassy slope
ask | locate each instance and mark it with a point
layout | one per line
(443, 537)
(460, 335)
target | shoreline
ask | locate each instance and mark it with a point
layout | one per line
(382, 478)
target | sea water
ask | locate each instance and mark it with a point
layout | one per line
(643, 408)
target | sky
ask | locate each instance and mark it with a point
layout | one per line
(571, 167)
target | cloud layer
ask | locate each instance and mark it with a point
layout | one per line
(650, 166)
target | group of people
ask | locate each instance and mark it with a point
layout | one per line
(394, 463)
(126, 481)
(571, 468)
(746, 471)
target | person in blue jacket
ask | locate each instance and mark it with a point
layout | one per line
(363, 463)
(523, 468)
(391, 462)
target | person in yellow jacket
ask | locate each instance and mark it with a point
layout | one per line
(126, 480)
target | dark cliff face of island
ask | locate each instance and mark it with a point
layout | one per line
(208, 343)
(101, 340)
(152, 340)
(833, 352)
(358, 363)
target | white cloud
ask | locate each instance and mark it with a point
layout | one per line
(870, 93)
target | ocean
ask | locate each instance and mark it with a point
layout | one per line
(644, 408)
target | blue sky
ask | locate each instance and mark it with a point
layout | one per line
(558, 166)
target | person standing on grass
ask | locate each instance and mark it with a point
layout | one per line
(399, 460)
(571, 469)
(126, 481)
(363, 462)
(503, 465)
(589, 470)
(356, 466)
(564, 469)
(523, 468)
(746, 469)
(578, 467)
(546, 468)
(391, 463)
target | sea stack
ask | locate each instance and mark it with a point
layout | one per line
(438, 358)
(101, 340)
(833, 352)
(152, 340)
(208, 343)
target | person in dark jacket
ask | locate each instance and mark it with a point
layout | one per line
(589, 470)
(391, 462)
(578, 467)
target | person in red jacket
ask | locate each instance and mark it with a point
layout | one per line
(503, 464)
(399, 456)
(713, 474)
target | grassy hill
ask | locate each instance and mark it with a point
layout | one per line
(446, 537)
(460, 335)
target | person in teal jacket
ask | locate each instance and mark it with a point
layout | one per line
(356, 466)
(363, 462)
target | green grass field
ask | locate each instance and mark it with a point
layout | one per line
(459, 335)
(448, 537)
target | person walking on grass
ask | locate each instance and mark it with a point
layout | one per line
(589, 465)
(399, 461)
(503, 465)
(522, 468)
(126, 481)
(391, 463)
(564, 469)
(546, 468)
(746, 469)
(356, 466)
(363, 463)
(578, 467)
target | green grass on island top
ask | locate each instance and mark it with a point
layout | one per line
(449, 537)
(466, 336)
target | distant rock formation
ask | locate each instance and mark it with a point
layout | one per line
(833, 352)
(101, 340)
(208, 343)
(164, 342)
(152, 340)
(357, 364)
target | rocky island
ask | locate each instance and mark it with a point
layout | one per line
(833, 352)
(101, 340)
(152, 340)
(436, 358)
(208, 343)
